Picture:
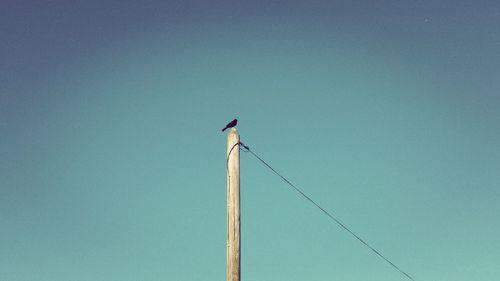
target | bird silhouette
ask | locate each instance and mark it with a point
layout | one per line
(230, 124)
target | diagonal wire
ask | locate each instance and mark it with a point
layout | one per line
(328, 213)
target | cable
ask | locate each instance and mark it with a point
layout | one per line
(229, 154)
(327, 213)
(227, 162)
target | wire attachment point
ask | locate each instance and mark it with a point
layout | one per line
(247, 149)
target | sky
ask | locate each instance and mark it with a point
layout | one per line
(112, 159)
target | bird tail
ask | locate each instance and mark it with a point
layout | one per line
(224, 129)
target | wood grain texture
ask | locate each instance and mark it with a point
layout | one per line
(233, 205)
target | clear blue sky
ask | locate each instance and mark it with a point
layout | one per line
(112, 163)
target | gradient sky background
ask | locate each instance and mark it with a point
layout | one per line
(112, 163)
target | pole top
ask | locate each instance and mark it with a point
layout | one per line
(233, 138)
(233, 131)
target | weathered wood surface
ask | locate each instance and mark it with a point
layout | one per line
(233, 205)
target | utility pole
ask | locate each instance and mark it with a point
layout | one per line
(233, 205)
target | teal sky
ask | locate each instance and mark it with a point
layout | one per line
(112, 163)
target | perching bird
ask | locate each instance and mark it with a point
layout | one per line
(231, 124)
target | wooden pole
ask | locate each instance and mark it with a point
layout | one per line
(233, 205)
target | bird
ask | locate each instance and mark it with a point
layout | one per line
(230, 124)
